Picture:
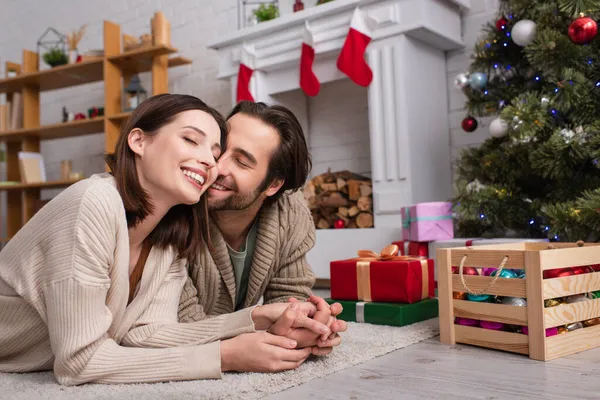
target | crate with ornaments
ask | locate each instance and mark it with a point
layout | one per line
(384, 288)
(537, 299)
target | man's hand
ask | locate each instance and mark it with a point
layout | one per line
(266, 315)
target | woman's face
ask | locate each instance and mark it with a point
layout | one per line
(177, 164)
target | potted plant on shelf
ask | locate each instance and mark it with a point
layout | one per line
(55, 43)
(11, 73)
(266, 12)
(55, 57)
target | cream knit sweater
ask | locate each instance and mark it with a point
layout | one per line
(63, 299)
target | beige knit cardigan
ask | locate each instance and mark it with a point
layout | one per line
(64, 289)
(279, 270)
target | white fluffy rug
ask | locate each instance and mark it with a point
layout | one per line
(362, 342)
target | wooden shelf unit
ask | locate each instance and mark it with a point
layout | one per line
(55, 131)
(115, 68)
(40, 185)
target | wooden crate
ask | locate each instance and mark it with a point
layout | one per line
(534, 258)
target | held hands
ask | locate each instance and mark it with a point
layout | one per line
(321, 344)
(268, 352)
(295, 330)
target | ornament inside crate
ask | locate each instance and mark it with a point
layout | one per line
(509, 297)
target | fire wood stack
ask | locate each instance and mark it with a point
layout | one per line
(340, 200)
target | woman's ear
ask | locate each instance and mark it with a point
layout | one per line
(136, 141)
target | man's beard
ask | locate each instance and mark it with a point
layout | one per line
(237, 202)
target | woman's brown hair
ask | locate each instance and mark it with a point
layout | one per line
(180, 227)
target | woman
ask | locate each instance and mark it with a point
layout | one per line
(72, 293)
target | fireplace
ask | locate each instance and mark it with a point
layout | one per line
(395, 131)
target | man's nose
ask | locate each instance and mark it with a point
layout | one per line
(223, 165)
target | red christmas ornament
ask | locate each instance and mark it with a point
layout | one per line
(466, 271)
(582, 270)
(469, 124)
(501, 24)
(595, 267)
(583, 30)
(339, 224)
(558, 273)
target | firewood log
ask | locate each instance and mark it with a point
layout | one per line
(364, 220)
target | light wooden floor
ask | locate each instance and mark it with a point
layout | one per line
(430, 370)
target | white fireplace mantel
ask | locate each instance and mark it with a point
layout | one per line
(407, 99)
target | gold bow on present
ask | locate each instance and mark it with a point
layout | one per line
(389, 253)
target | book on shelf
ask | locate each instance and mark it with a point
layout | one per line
(4, 117)
(32, 168)
(11, 113)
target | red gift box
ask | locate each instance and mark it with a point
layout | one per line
(384, 277)
(419, 249)
(402, 248)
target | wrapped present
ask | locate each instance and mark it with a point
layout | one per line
(384, 277)
(395, 314)
(425, 222)
(419, 249)
(402, 247)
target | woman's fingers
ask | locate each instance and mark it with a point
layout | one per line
(339, 326)
(287, 355)
(279, 341)
(284, 323)
(336, 341)
(336, 309)
(321, 351)
(315, 326)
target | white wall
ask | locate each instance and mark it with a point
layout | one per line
(341, 143)
(458, 61)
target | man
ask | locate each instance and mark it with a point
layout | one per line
(260, 226)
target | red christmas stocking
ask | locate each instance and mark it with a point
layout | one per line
(308, 80)
(244, 75)
(351, 60)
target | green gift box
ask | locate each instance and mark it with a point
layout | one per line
(396, 314)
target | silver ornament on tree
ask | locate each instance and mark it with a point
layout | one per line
(498, 128)
(478, 80)
(461, 81)
(523, 32)
(517, 122)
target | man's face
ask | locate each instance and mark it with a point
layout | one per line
(244, 164)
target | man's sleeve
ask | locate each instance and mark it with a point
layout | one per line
(190, 309)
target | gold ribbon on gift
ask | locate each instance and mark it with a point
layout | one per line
(389, 253)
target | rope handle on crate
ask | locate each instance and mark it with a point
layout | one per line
(462, 278)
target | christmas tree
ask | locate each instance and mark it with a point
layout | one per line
(536, 72)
